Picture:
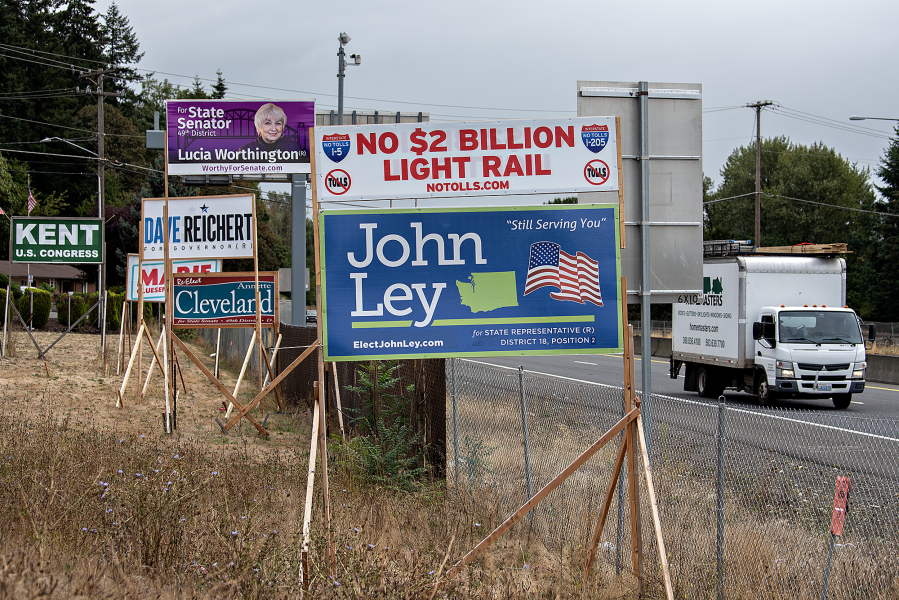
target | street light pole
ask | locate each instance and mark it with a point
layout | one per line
(344, 39)
(858, 118)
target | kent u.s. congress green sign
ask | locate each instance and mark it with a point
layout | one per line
(57, 240)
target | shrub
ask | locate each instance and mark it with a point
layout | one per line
(16, 291)
(388, 452)
(79, 305)
(42, 301)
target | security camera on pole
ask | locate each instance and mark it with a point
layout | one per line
(344, 39)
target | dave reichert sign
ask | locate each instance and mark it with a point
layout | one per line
(153, 276)
(223, 300)
(200, 227)
(57, 240)
(474, 158)
(428, 283)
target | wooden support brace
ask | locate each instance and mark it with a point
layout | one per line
(539, 496)
(153, 361)
(339, 407)
(310, 483)
(134, 350)
(246, 409)
(610, 492)
(654, 509)
(243, 370)
(268, 365)
(217, 383)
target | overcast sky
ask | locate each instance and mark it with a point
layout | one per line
(510, 59)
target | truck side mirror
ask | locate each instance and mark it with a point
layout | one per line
(764, 331)
(872, 332)
(757, 331)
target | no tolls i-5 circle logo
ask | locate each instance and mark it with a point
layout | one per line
(336, 146)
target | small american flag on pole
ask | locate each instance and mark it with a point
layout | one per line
(1, 212)
(31, 201)
(576, 276)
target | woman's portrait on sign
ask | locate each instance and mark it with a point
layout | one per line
(270, 122)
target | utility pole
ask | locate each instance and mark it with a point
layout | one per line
(758, 168)
(97, 78)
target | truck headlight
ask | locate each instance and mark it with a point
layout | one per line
(785, 370)
(858, 370)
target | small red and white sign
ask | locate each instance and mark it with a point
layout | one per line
(338, 182)
(596, 172)
(154, 275)
(840, 505)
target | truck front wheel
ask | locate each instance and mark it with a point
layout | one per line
(766, 395)
(707, 383)
(842, 401)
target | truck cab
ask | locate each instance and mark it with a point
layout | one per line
(812, 352)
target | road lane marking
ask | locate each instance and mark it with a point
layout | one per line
(705, 404)
(874, 387)
(580, 362)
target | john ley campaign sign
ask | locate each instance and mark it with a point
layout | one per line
(419, 283)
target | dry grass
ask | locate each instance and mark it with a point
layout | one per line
(99, 502)
(98, 513)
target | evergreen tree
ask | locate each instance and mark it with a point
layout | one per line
(120, 48)
(803, 190)
(888, 232)
(219, 88)
(195, 92)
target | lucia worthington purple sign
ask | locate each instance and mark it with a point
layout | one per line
(238, 137)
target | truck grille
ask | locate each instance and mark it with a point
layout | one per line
(824, 378)
(812, 367)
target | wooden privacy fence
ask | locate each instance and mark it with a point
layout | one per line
(427, 405)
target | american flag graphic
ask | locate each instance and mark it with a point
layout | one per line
(576, 276)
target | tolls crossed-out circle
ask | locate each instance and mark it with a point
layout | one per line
(338, 182)
(596, 172)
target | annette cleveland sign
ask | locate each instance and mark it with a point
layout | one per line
(224, 299)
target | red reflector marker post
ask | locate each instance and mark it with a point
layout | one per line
(840, 508)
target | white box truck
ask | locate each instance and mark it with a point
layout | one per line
(774, 326)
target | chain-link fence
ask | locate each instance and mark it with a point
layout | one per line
(745, 496)
(887, 339)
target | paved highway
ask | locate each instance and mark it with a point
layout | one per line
(863, 439)
(879, 402)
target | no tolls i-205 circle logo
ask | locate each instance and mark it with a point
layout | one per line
(336, 146)
(595, 137)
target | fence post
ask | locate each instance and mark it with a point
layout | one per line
(455, 418)
(524, 427)
(619, 541)
(720, 494)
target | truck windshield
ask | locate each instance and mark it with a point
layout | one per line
(819, 327)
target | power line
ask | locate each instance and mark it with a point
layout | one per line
(825, 122)
(67, 127)
(12, 47)
(837, 206)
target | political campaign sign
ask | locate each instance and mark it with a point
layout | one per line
(238, 137)
(200, 227)
(455, 282)
(223, 299)
(57, 240)
(153, 276)
(467, 158)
